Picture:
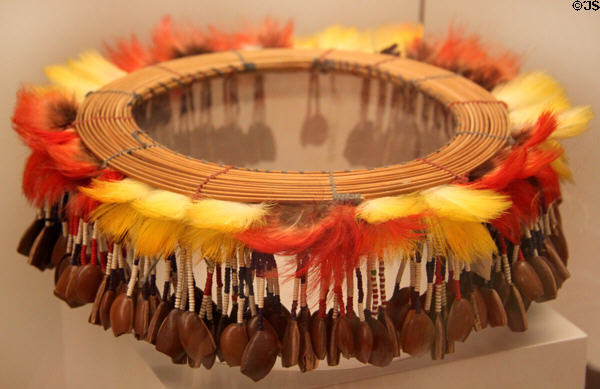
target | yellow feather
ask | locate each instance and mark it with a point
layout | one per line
(380, 210)
(115, 219)
(155, 237)
(459, 203)
(350, 38)
(88, 73)
(225, 216)
(468, 241)
(530, 94)
(116, 191)
(214, 245)
(529, 89)
(572, 122)
(162, 204)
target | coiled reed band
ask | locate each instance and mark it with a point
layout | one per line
(106, 126)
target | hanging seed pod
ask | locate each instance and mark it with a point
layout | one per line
(234, 338)
(225, 319)
(141, 316)
(194, 336)
(383, 349)
(90, 275)
(307, 360)
(557, 236)
(318, 325)
(438, 349)
(499, 282)
(344, 334)
(95, 312)
(333, 352)
(290, 348)
(40, 253)
(163, 309)
(61, 248)
(382, 314)
(524, 276)
(555, 258)
(546, 276)
(78, 259)
(515, 309)
(400, 297)
(30, 234)
(477, 301)
(261, 352)
(167, 337)
(122, 309)
(461, 316)
(495, 307)
(361, 331)
(209, 320)
(417, 331)
(280, 316)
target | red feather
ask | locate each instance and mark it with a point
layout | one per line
(41, 116)
(549, 182)
(466, 55)
(129, 55)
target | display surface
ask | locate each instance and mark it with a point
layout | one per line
(431, 154)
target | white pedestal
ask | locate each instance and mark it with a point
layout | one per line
(551, 354)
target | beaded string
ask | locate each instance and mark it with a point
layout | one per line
(219, 288)
(225, 308)
(109, 260)
(134, 276)
(413, 273)
(234, 280)
(84, 242)
(104, 249)
(429, 269)
(323, 298)
(77, 249)
(184, 289)
(167, 283)
(249, 285)
(240, 312)
(303, 285)
(361, 294)
(180, 279)
(296, 290)
(114, 264)
(260, 285)
(189, 276)
(336, 304)
(438, 286)
(206, 307)
(94, 245)
(373, 285)
(505, 264)
(243, 287)
(455, 277)
(417, 289)
(382, 283)
(444, 291)
(70, 235)
(349, 293)
(275, 273)
(339, 298)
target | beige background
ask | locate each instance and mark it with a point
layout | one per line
(36, 350)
